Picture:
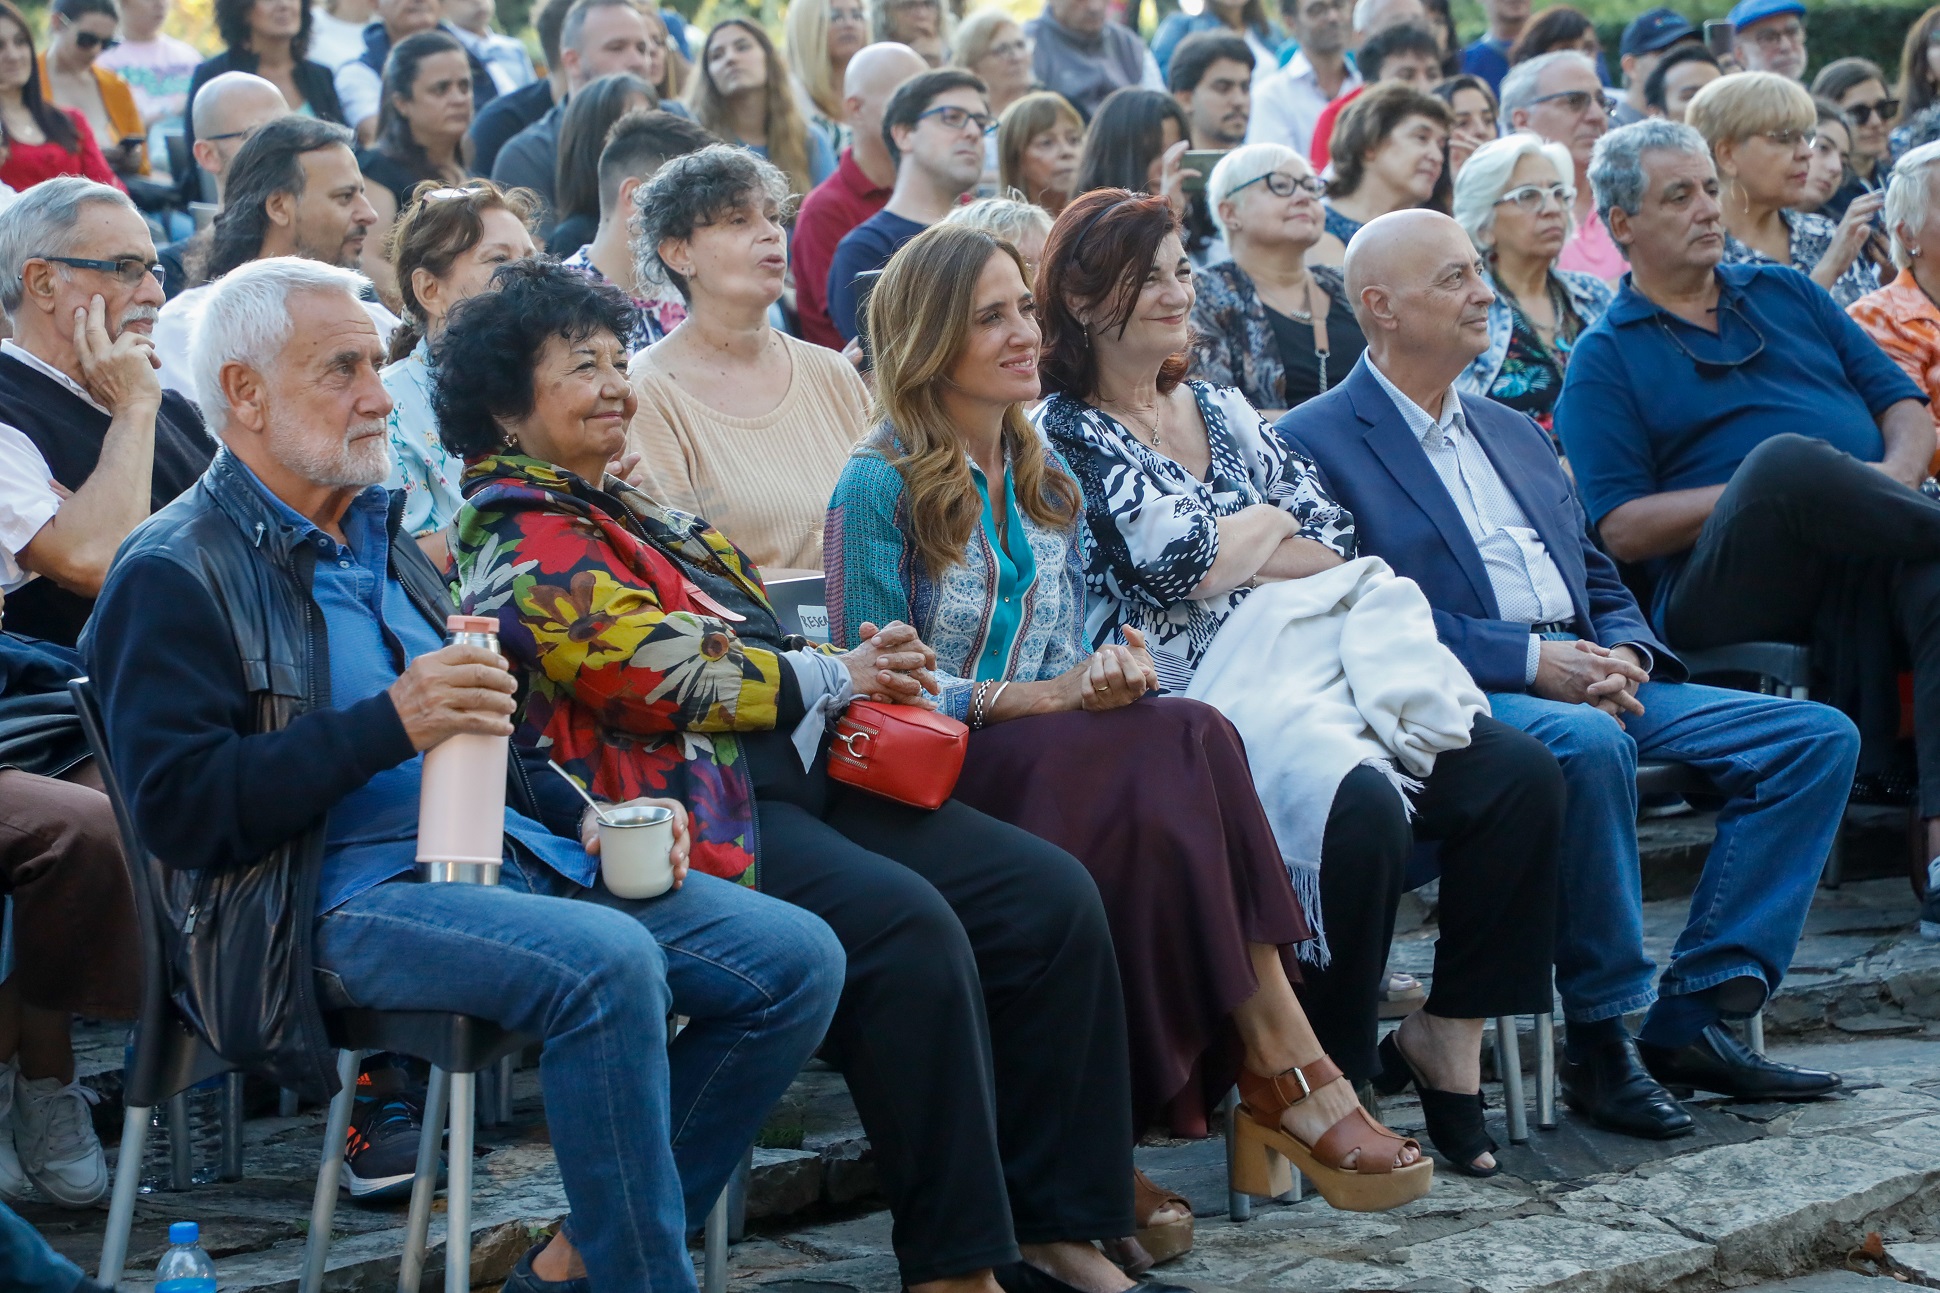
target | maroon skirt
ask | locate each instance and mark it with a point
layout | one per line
(1157, 801)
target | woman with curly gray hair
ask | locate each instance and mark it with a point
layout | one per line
(737, 421)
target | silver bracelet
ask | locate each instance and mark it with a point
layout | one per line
(995, 696)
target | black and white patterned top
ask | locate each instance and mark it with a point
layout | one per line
(1811, 236)
(1152, 527)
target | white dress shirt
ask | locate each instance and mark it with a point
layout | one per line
(1287, 105)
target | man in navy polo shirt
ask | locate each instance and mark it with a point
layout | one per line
(1737, 436)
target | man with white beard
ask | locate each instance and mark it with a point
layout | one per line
(89, 442)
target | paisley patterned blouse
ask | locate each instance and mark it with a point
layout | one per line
(420, 464)
(631, 677)
(1811, 235)
(1153, 527)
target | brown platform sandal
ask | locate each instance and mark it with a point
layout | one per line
(1262, 1147)
(1166, 1241)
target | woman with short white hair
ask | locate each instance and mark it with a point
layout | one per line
(1019, 223)
(1513, 196)
(1264, 321)
(1902, 316)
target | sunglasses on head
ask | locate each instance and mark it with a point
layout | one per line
(1861, 113)
(88, 40)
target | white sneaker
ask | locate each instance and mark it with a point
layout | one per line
(13, 1181)
(55, 1137)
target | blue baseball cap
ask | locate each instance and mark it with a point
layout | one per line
(1746, 12)
(1655, 29)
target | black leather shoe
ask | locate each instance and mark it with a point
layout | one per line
(1614, 1090)
(1719, 1062)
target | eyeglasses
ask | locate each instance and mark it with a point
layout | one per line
(1772, 37)
(1716, 367)
(1790, 139)
(88, 40)
(1862, 113)
(1573, 101)
(1010, 48)
(954, 118)
(229, 134)
(1532, 197)
(129, 269)
(848, 15)
(1282, 185)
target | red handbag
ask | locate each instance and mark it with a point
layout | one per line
(901, 752)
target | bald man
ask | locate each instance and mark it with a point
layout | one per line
(859, 188)
(227, 110)
(1467, 498)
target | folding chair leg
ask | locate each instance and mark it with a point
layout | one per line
(458, 1195)
(286, 1103)
(181, 1144)
(506, 1067)
(121, 1212)
(417, 1229)
(1546, 1071)
(323, 1207)
(1508, 1066)
(715, 1246)
(232, 1121)
(1835, 864)
(1755, 1032)
(1239, 1204)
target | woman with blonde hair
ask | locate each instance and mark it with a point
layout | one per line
(667, 69)
(956, 517)
(1760, 127)
(819, 39)
(742, 94)
(1040, 139)
(992, 44)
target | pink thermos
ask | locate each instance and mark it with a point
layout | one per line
(461, 801)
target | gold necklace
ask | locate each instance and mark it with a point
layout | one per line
(1152, 426)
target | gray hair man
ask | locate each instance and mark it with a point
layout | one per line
(89, 443)
(1560, 97)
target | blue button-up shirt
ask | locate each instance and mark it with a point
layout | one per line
(375, 632)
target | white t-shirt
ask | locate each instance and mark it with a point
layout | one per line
(175, 331)
(334, 42)
(27, 502)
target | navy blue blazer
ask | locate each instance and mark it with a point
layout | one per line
(1375, 467)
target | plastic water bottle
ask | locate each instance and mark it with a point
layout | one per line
(185, 1267)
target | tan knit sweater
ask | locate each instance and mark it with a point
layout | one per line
(764, 482)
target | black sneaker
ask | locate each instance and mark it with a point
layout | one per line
(381, 1151)
(1930, 905)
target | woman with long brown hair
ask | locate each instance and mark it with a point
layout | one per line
(42, 140)
(1919, 83)
(742, 94)
(1040, 139)
(957, 517)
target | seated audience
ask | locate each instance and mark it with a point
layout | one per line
(1558, 27)
(1402, 51)
(1239, 510)
(1559, 97)
(1647, 41)
(738, 421)
(1137, 141)
(507, 114)
(294, 190)
(270, 39)
(574, 207)
(1675, 82)
(1287, 102)
(42, 140)
(156, 66)
(1514, 199)
(861, 185)
(1858, 88)
(420, 136)
(92, 443)
(742, 96)
(286, 362)
(1770, 36)
(1039, 142)
(1566, 656)
(933, 128)
(1918, 88)
(73, 79)
(639, 144)
(1211, 77)
(953, 512)
(972, 946)
(991, 46)
(1243, 20)
(1388, 158)
(443, 248)
(229, 109)
(599, 38)
(471, 22)
(1472, 115)
(1738, 437)
(822, 36)
(1902, 316)
(1827, 168)
(1020, 224)
(1078, 52)
(1264, 321)
(1760, 128)
(360, 82)
(923, 25)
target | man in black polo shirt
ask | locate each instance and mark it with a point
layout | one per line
(90, 444)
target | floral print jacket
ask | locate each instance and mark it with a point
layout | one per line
(630, 676)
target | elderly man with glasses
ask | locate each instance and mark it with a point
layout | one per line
(1560, 97)
(1757, 456)
(90, 444)
(1770, 36)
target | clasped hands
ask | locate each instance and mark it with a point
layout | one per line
(1583, 673)
(892, 664)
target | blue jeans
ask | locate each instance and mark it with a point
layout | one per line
(1786, 767)
(28, 1265)
(646, 1132)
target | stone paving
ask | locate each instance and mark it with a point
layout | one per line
(1771, 1193)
